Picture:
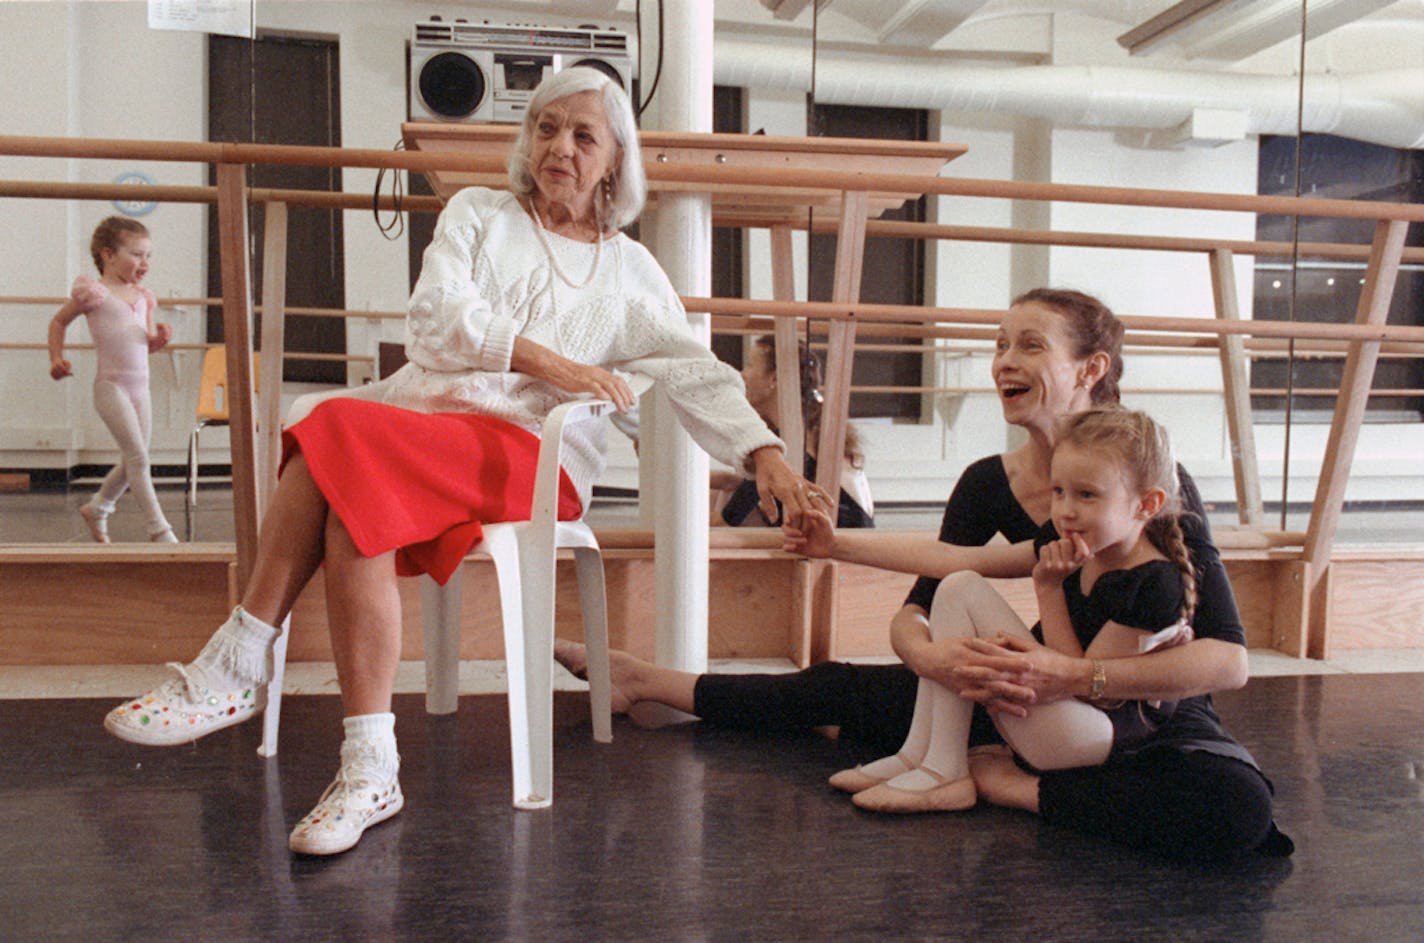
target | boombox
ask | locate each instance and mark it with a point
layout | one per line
(479, 72)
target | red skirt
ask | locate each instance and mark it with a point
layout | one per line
(420, 484)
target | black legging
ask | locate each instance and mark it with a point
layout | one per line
(1187, 805)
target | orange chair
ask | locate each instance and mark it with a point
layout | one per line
(212, 406)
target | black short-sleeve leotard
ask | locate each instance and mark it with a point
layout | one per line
(1148, 597)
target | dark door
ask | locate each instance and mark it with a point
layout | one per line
(280, 90)
(894, 269)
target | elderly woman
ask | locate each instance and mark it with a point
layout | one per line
(526, 299)
(1193, 793)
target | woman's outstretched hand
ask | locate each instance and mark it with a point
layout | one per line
(777, 482)
(815, 537)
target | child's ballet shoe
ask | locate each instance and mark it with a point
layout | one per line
(165, 536)
(856, 779)
(948, 796)
(180, 711)
(97, 521)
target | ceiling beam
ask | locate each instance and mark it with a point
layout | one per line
(1232, 30)
(923, 23)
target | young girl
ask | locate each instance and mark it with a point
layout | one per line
(120, 314)
(1113, 579)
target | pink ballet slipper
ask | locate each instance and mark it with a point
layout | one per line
(98, 523)
(947, 796)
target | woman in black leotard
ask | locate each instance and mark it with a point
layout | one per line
(1058, 353)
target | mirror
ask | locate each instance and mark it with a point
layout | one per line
(1012, 85)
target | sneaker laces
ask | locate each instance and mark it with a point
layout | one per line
(184, 683)
(362, 770)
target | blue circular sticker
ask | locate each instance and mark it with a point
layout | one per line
(135, 207)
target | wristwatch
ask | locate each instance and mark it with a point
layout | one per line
(1100, 680)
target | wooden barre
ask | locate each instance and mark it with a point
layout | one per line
(751, 325)
(1402, 337)
(769, 538)
(286, 355)
(832, 311)
(1260, 347)
(169, 193)
(1139, 391)
(673, 172)
(874, 228)
(215, 302)
(943, 350)
(908, 229)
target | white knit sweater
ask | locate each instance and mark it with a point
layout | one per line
(486, 279)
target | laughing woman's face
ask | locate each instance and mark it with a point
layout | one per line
(1035, 371)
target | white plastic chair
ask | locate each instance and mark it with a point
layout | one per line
(524, 553)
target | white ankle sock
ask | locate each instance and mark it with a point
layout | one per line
(238, 655)
(370, 726)
(371, 745)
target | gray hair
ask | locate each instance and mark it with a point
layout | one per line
(629, 184)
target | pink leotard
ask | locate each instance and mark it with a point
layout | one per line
(120, 333)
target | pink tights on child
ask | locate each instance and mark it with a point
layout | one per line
(1059, 735)
(127, 414)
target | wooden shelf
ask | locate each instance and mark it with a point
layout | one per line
(743, 151)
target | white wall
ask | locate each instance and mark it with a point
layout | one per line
(92, 70)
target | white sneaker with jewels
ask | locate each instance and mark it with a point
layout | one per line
(180, 710)
(366, 792)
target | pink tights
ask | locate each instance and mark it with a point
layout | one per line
(128, 415)
(1060, 735)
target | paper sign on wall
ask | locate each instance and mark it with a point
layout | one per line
(228, 17)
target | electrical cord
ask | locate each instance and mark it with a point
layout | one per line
(658, 73)
(394, 229)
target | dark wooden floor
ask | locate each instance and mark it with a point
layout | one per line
(678, 834)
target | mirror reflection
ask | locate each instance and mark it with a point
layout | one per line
(1097, 93)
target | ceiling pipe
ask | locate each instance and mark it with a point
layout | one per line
(1384, 107)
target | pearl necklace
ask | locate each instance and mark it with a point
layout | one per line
(554, 259)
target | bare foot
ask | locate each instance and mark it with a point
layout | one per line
(622, 669)
(1000, 780)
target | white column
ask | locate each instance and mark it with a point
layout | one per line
(677, 489)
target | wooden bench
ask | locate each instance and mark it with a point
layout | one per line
(145, 604)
